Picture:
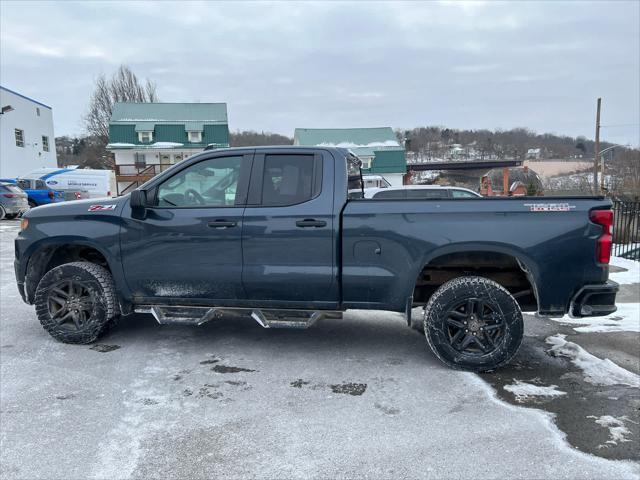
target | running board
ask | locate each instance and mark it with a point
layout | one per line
(272, 318)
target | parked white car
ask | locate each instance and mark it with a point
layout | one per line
(419, 191)
(91, 183)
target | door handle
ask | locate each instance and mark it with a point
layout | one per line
(310, 222)
(221, 224)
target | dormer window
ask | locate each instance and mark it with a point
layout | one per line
(195, 137)
(145, 137)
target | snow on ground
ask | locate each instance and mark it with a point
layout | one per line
(596, 371)
(632, 275)
(524, 391)
(618, 432)
(625, 319)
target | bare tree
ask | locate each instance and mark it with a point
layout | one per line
(123, 86)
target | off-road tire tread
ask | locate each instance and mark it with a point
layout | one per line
(111, 308)
(471, 284)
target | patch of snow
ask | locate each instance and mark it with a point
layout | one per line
(557, 436)
(524, 391)
(625, 319)
(116, 145)
(166, 144)
(596, 371)
(632, 275)
(386, 143)
(618, 432)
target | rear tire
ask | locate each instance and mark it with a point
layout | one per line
(3, 213)
(76, 302)
(32, 204)
(473, 323)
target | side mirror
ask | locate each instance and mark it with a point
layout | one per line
(138, 202)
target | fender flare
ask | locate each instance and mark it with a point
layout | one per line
(37, 247)
(525, 262)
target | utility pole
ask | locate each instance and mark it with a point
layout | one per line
(597, 148)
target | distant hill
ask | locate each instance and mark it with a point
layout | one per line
(519, 143)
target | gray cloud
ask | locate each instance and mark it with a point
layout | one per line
(282, 65)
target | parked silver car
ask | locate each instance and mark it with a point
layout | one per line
(415, 192)
(13, 201)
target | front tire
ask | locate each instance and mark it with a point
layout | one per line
(76, 302)
(473, 323)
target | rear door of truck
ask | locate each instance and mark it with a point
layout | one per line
(290, 234)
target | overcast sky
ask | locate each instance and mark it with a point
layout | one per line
(284, 65)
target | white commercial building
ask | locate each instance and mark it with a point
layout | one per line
(26, 135)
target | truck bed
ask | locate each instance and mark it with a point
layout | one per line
(386, 243)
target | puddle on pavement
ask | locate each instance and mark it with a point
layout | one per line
(588, 414)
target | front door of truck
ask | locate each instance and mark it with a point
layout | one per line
(188, 245)
(289, 238)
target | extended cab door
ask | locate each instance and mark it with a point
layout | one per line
(290, 233)
(188, 245)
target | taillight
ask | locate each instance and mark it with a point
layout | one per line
(51, 194)
(603, 218)
(9, 195)
(109, 193)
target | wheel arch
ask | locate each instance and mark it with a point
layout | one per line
(509, 260)
(53, 251)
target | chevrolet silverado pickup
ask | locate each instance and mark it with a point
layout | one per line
(271, 232)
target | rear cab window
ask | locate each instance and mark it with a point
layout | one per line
(425, 193)
(287, 179)
(462, 194)
(390, 194)
(24, 184)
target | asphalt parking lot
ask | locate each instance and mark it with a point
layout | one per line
(357, 397)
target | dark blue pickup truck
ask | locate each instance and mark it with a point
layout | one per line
(271, 232)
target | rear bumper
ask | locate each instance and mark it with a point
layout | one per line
(594, 300)
(15, 208)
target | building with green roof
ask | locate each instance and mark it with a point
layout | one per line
(147, 138)
(378, 148)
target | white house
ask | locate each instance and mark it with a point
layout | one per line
(378, 148)
(147, 138)
(26, 135)
(534, 153)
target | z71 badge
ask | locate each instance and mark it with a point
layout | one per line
(100, 208)
(549, 207)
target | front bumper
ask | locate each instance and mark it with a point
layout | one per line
(594, 300)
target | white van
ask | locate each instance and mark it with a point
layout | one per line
(92, 183)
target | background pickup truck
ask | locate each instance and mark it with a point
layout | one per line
(38, 192)
(271, 232)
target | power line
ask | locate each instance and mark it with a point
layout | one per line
(621, 125)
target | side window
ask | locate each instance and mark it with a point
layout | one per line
(290, 179)
(40, 185)
(462, 194)
(387, 194)
(210, 183)
(24, 184)
(423, 193)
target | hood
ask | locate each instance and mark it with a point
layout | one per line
(107, 205)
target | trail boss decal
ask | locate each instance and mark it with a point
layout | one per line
(549, 207)
(100, 208)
